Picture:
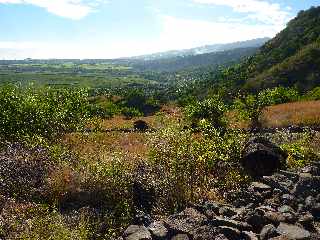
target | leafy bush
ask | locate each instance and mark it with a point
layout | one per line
(250, 107)
(299, 152)
(105, 109)
(31, 113)
(211, 110)
(130, 112)
(314, 94)
(278, 95)
(188, 167)
(137, 99)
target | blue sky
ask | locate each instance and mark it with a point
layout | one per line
(117, 28)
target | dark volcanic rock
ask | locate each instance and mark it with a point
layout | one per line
(284, 206)
(268, 231)
(140, 125)
(230, 233)
(185, 222)
(261, 157)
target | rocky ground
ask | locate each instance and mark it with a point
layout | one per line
(283, 205)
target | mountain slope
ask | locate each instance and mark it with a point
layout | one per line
(288, 59)
(254, 43)
(190, 62)
(301, 70)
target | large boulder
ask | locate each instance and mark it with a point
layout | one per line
(140, 125)
(261, 157)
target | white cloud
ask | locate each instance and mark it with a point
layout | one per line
(181, 33)
(261, 10)
(73, 9)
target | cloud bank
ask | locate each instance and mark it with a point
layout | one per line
(262, 11)
(73, 9)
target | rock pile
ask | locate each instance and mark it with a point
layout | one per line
(285, 205)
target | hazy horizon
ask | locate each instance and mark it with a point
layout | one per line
(108, 29)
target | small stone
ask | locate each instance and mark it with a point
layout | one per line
(274, 217)
(274, 183)
(180, 237)
(316, 211)
(260, 187)
(277, 191)
(227, 211)
(293, 232)
(307, 186)
(288, 199)
(268, 231)
(231, 223)
(135, 232)
(230, 233)
(185, 222)
(158, 230)
(248, 236)
(256, 220)
(285, 209)
(306, 219)
(310, 202)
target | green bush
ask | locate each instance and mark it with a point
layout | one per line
(28, 113)
(105, 109)
(314, 94)
(211, 110)
(188, 167)
(131, 112)
(278, 95)
(250, 107)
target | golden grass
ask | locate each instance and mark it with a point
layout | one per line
(305, 113)
(104, 144)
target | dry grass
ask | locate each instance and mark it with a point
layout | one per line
(102, 145)
(297, 113)
(305, 113)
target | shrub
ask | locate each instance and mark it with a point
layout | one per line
(312, 95)
(130, 112)
(46, 113)
(106, 109)
(300, 152)
(211, 110)
(251, 106)
(188, 167)
(278, 95)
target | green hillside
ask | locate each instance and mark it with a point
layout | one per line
(290, 59)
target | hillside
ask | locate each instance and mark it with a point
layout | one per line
(284, 59)
(193, 61)
(255, 43)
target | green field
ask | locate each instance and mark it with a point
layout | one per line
(70, 74)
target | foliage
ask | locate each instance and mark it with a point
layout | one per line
(211, 110)
(131, 112)
(312, 95)
(299, 152)
(188, 167)
(290, 59)
(28, 113)
(104, 109)
(251, 107)
(52, 225)
(278, 95)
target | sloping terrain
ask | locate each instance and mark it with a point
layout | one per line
(285, 59)
(194, 61)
